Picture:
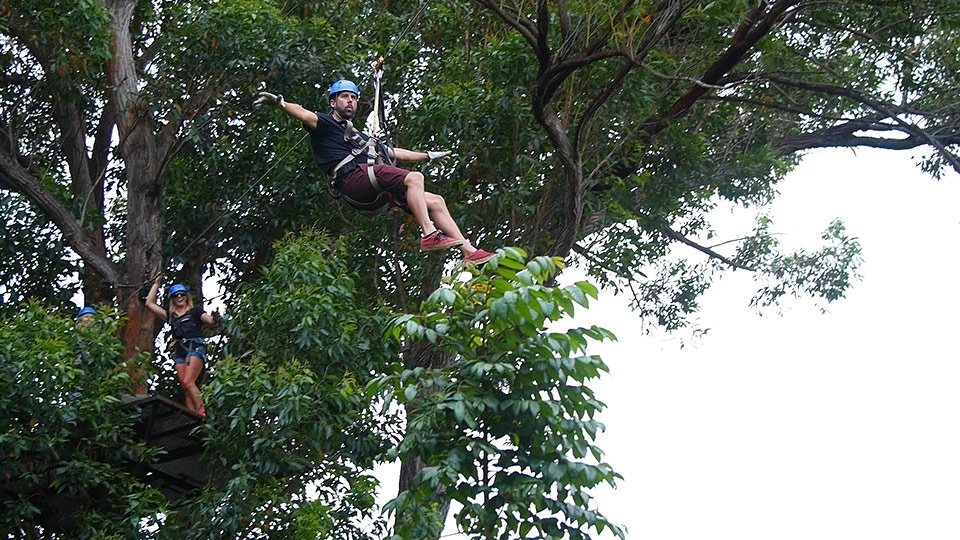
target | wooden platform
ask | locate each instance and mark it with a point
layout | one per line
(168, 425)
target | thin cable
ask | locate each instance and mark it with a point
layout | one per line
(414, 19)
(242, 195)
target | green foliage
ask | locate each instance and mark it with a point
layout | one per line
(306, 307)
(305, 331)
(68, 446)
(293, 435)
(672, 294)
(827, 273)
(76, 34)
(507, 428)
(30, 262)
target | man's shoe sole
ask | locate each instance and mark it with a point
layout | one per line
(483, 260)
(440, 247)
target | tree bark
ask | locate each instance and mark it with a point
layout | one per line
(143, 163)
(422, 354)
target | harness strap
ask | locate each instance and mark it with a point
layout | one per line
(189, 343)
(372, 159)
(353, 155)
(380, 204)
(368, 147)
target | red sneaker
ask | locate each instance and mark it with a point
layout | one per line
(436, 241)
(479, 257)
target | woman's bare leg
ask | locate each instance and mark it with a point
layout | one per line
(187, 375)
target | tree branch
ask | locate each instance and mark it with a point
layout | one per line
(585, 253)
(21, 181)
(843, 134)
(694, 81)
(754, 27)
(516, 21)
(674, 235)
(672, 13)
(556, 74)
(102, 140)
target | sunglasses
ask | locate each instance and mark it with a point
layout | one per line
(179, 295)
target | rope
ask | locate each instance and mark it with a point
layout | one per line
(379, 65)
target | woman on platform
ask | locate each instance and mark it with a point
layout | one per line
(186, 322)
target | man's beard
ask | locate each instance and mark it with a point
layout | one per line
(345, 115)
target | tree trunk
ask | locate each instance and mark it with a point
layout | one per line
(423, 354)
(143, 163)
(560, 213)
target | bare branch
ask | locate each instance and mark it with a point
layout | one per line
(674, 235)
(564, 18)
(754, 27)
(21, 181)
(515, 20)
(696, 82)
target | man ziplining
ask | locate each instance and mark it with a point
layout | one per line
(354, 161)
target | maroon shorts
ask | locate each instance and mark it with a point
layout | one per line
(356, 186)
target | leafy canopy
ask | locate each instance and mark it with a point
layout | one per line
(68, 444)
(507, 428)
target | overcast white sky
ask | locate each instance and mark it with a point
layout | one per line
(807, 425)
(832, 426)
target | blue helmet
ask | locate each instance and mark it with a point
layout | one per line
(86, 311)
(342, 85)
(177, 288)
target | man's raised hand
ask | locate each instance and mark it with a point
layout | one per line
(433, 154)
(266, 98)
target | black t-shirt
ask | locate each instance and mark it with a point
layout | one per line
(187, 326)
(329, 147)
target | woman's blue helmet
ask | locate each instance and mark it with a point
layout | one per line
(342, 85)
(177, 288)
(86, 311)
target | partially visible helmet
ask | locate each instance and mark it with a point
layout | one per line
(177, 288)
(86, 311)
(342, 85)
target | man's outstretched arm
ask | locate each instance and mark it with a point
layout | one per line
(402, 154)
(308, 117)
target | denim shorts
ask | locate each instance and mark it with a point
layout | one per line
(188, 348)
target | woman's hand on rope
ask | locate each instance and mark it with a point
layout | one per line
(266, 98)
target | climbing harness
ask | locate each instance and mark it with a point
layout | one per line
(368, 147)
(187, 347)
